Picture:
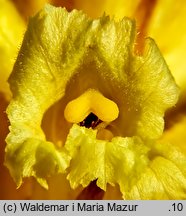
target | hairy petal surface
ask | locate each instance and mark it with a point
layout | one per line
(116, 161)
(143, 171)
(62, 56)
(35, 158)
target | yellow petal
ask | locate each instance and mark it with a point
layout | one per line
(162, 180)
(11, 33)
(34, 158)
(108, 162)
(166, 176)
(167, 26)
(143, 171)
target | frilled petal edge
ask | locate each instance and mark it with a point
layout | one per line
(143, 171)
(34, 157)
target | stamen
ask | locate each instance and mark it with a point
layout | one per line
(104, 134)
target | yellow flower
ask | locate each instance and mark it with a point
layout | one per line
(105, 108)
(94, 66)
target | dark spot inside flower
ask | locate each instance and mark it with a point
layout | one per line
(91, 121)
(92, 192)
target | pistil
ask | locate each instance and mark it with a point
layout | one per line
(91, 101)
